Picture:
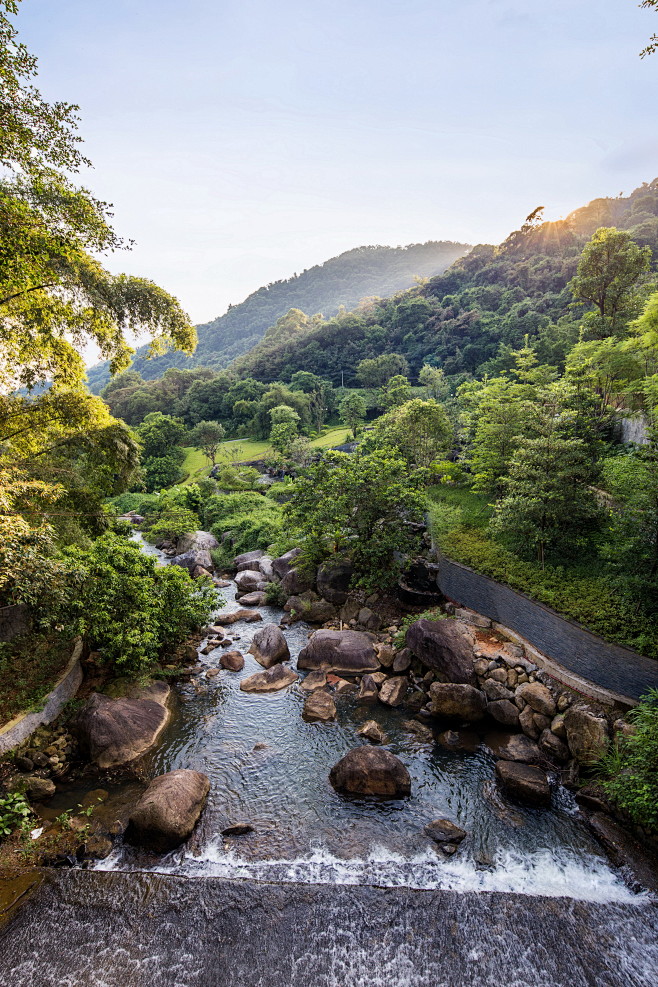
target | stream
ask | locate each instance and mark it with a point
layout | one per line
(330, 890)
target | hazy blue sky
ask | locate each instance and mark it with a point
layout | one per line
(243, 141)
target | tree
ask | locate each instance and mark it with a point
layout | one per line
(359, 507)
(434, 381)
(378, 371)
(352, 411)
(396, 391)
(610, 268)
(418, 431)
(653, 40)
(207, 436)
(55, 295)
(548, 508)
(159, 433)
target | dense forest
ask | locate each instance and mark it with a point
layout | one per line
(342, 281)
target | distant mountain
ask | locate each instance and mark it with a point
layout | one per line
(342, 281)
(468, 318)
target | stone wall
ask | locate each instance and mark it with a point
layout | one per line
(608, 665)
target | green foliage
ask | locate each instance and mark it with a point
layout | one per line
(274, 595)
(158, 433)
(172, 523)
(352, 410)
(378, 372)
(159, 472)
(633, 784)
(15, 813)
(207, 436)
(251, 520)
(434, 613)
(127, 607)
(357, 506)
(418, 431)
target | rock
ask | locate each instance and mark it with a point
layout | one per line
(416, 700)
(504, 712)
(249, 567)
(371, 771)
(266, 570)
(296, 581)
(333, 582)
(24, 763)
(445, 831)
(402, 661)
(369, 620)
(587, 734)
(196, 540)
(168, 811)
(248, 557)
(378, 678)
(39, 788)
(621, 727)
(269, 646)
(284, 563)
(423, 732)
(458, 700)
(275, 678)
(625, 851)
(368, 690)
(233, 661)
(310, 608)
(193, 558)
(464, 740)
(541, 722)
(393, 691)
(112, 732)
(238, 829)
(247, 581)
(319, 707)
(98, 847)
(256, 599)
(539, 697)
(249, 617)
(557, 726)
(344, 685)
(212, 672)
(527, 723)
(496, 690)
(513, 747)
(386, 654)
(524, 782)
(314, 680)
(348, 652)
(371, 730)
(444, 646)
(553, 747)
(499, 675)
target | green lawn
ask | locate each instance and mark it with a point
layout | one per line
(245, 450)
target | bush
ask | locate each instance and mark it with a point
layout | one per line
(129, 608)
(172, 523)
(15, 813)
(632, 764)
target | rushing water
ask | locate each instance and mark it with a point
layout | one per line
(330, 890)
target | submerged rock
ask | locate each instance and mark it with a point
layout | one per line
(445, 831)
(269, 646)
(371, 771)
(347, 652)
(168, 811)
(524, 782)
(238, 829)
(233, 661)
(319, 708)
(514, 747)
(115, 731)
(275, 678)
(445, 646)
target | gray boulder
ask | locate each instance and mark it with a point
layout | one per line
(371, 771)
(538, 697)
(587, 734)
(514, 747)
(524, 782)
(248, 581)
(233, 661)
(345, 652)
(553, 747)
(269, 646)
(256, 599)
(457, 700)
(196, 540)
(297, 581)
(267, 570)
(275, 678)
(112, 732)
(333, 581)
(248, 557)
(445, 646)
(310, 608)
(168, 811)
(285, 563)
(193, 559)
(504, 712)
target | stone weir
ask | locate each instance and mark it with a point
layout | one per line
(137, 930)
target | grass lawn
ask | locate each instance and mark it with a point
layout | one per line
(245, 450)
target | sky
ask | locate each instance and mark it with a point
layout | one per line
(241, 141)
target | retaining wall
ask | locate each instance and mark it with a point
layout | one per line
(21, 727)
(14, 621)
(610, 666)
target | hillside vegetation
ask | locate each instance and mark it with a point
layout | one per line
(341, 281)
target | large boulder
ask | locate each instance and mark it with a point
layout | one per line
(393, 690)
(112, 732)
(248, 557)
(269, 646)
(445, 646)
(587, 733)
(458, 700)
(275, 678)
(296, 581)
(256, 599)
(248, 581)
(232, 661)
(319, 707)
(196, 540)
(195, 558)
(514, 747)
(333, 581)
(524, 782)
(267, 570)
(538, 697)
(285, 563)
(168, 811)
(504, 712)
(249, 617)
(346, 652)
(371, 771)
(309, 608)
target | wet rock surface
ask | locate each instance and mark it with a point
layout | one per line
(269, 646)
(319, 707)
(346, 652)
(115, 731)
(168, 811)
(445, 646)
(275, 678)
(371, 771)
(524, 782)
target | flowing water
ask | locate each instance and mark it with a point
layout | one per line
(330, 890)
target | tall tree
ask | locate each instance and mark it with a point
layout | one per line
(208, 436)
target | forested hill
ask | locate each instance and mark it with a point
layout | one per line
(342, 281)
(468, 319)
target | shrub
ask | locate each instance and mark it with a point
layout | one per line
(632, 764)
(173, 522)
(15, 813)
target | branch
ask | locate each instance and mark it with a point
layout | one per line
(17, 294)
